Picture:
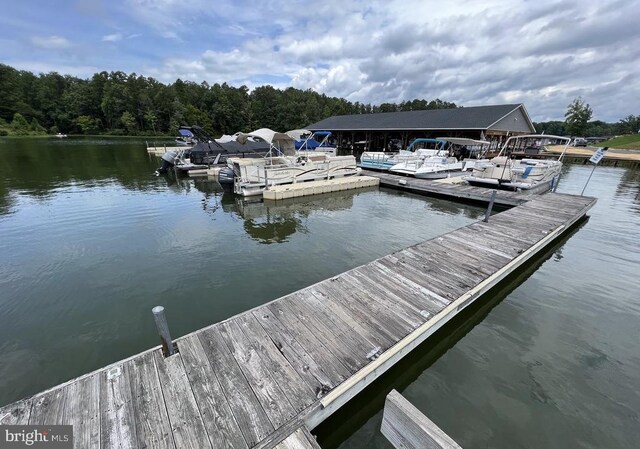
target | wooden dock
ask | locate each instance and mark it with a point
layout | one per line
(457, 192)
(266, 377)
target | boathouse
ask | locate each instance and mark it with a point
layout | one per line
(362, 132)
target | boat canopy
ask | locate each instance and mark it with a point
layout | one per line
(298, 134)
(541, 137)
(280, 141)
(464, 141)
(312, 141)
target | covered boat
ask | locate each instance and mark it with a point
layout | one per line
(209, 151)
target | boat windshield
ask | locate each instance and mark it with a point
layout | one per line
(426, 144)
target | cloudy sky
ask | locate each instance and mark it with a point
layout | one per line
(541, 53)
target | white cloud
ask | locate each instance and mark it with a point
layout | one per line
(115, 37)
(50, 42)
(81, 71)
(542, 53)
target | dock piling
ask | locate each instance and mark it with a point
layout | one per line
(163, 329)
(487, 214)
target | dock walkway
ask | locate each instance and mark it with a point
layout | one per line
(456, 192)
(266, 377)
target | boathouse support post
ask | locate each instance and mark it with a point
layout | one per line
(163, 329)
(487, 214)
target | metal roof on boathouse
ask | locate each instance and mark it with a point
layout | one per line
(493, 119)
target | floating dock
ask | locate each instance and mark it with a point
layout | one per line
(264, 378)
(284, 191)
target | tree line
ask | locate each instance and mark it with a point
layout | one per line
(578, 123)
(129, 104)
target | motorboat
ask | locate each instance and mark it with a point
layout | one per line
(524, 174)
(417, 150)
(462, 156)
(457, 155)
(319, 141)
(61, 136)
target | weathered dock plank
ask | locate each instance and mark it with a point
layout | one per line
(300, 439)
(263, 378)
(152, 422)
(302, 361)
(407, 428)
(82, 411)
(184, 415)
(299, 393)
(117, 417)
(408, 308)
(217, 417)
(16, 414)
(268, 391)
(249, 414)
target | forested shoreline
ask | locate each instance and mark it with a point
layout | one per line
(128, 104)
(117, 103)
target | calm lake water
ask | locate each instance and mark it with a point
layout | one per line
(90, 241)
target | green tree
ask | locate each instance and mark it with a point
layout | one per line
(19, 125)
(577, 116)
(128, 121)
(36, 128)
(150, 118)
(629, 125)
(85, 124)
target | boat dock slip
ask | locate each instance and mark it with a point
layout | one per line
(266, 377)
(452, 191)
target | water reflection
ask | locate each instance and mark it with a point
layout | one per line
(275, 221)
(629, 185)
(37, 167)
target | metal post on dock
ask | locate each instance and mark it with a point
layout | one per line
(163, 330)
(487, 214)
(556, 182)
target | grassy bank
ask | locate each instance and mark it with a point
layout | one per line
(628, 142)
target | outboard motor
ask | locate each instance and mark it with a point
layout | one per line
(226, 175)
(168, 161)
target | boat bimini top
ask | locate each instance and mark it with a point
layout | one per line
(541, 137)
